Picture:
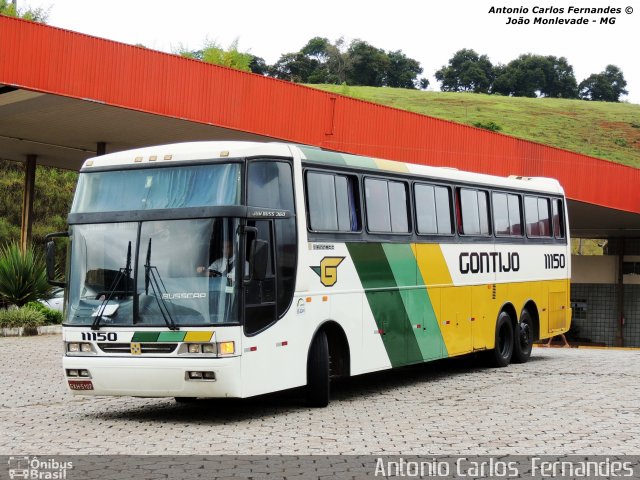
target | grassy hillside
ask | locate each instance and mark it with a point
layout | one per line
(605, 130)
(51, 203)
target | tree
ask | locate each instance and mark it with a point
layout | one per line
(466, 72)
(213, 53)
(423, 83)
(536, 75)
(258, 65)
(523, 77)
(294, 67)
(401, 71)
(368, 64)
(338, 62)
(606, 86)
(321, 61)
(39, 15)
(560, 81)
(317, 48)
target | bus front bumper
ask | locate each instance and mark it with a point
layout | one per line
(154, 377)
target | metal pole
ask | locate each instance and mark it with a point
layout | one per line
(27, 201)
(620, 306)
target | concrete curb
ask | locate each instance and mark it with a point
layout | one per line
(19, 331)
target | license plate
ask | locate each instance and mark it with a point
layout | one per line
(80, 385)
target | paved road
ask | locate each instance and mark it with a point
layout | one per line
(563, 401)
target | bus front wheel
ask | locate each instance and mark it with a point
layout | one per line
(523, 341)
(500, 356)
(318, 370)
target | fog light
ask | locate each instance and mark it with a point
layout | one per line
(73, 347)
(226, 348)
(194, 348)
(209, 375)
(195, 374)
(72, 373)
(86, 347)
(208, 348)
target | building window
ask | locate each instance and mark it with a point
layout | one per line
(433, 210)
(386, 202)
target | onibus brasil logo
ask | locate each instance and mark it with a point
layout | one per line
(35, 468)
(328, 270)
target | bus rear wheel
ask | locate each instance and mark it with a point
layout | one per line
(318, 371)
(501, 355)
(523, 341)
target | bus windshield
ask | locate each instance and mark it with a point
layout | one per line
(165, 272)
(158, 188)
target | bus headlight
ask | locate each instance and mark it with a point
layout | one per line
(80, 348)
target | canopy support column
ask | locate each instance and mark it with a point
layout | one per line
(27, 201)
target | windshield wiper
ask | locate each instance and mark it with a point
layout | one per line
(123, 273)
(152, 277)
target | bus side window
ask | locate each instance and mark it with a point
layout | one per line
(558, 218)
(332, 203)
(537, 217)
(474, 209)
(386, 202)
(433, 209)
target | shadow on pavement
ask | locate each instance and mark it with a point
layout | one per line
(368, 387)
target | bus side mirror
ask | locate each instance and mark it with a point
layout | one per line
(259, 258)
(51, 258)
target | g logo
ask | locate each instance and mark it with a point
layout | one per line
(328, 270)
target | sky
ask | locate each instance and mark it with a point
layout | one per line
(430, 31)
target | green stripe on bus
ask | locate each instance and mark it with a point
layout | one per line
(145, 336)
(386, 303)
(424, 323)
(171, 336)
(335, 158)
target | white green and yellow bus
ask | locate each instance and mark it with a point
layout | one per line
(346, 265)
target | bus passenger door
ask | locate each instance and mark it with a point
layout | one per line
(260, 293)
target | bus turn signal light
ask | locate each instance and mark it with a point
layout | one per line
(226, 348)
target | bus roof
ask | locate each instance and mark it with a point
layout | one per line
(539, 184)
(221, 150)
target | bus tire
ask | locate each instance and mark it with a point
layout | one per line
(523, 338)
(501, 355)
(318, 370)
